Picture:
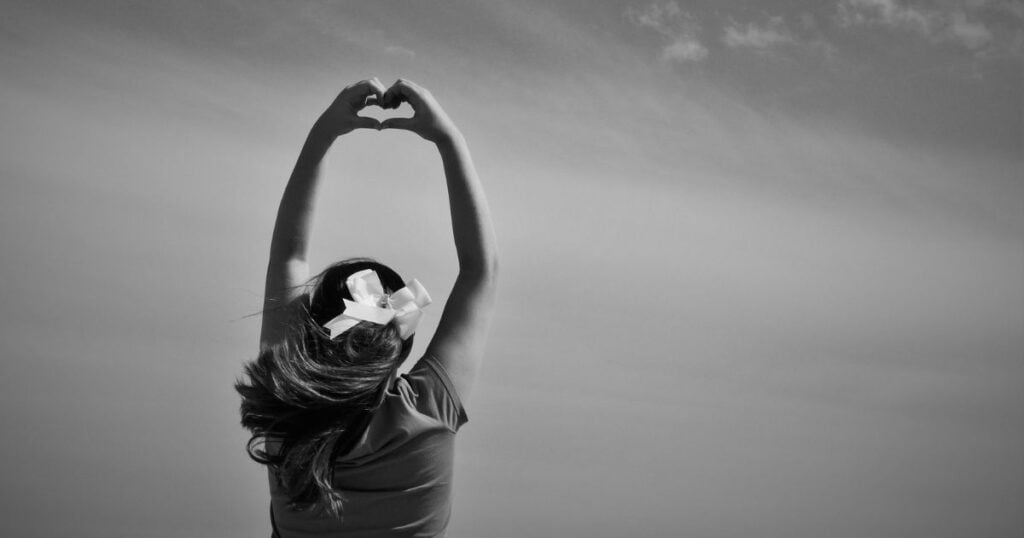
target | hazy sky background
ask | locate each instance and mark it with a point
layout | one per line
(762, 261)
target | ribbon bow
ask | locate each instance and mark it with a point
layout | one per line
(370, 303)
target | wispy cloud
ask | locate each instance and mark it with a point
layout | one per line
(940, 23)
(684, 49)
(885, 12)
(973, 35)
(772, 33)
(1013, 8)
(660, 17)
(401, 52)
(676, 26)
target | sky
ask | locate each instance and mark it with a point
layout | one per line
(761, 261)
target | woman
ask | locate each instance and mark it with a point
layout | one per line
(352, 448)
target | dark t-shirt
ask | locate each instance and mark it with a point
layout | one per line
(397, 480)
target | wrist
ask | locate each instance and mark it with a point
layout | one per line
(322, 129)
(449, 138)
(321, 133)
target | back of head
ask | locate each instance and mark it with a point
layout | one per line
(366, 344)
(312, 395)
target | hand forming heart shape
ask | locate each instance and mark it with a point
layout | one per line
(374, 108)
(428, 120)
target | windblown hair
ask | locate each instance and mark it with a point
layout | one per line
(308, 398)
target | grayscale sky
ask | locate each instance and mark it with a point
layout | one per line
(762, 260)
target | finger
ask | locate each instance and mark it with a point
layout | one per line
(408, 91)
(372, 92)
(405, 90)
(359, 91)
(378, 87)
(362, 122)
(391, 98)
(397, 123)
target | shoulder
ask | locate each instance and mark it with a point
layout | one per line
(420, 402)
(430, 389)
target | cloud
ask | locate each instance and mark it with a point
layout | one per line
(684, 49)
(772, 33)
(936, 24)
(402, 52)
(884, 12)
(1014, 8)
(675, 26)
(973, 35)
(659, 17)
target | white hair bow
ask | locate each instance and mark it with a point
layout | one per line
(370, 303)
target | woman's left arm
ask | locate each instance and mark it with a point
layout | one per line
(288, 269)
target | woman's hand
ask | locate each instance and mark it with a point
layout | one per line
(429, 120)
(342, 116)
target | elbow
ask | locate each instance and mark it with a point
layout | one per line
(484, 271)
(492, 268)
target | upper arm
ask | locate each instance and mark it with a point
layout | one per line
(285, 284)
(461, 335)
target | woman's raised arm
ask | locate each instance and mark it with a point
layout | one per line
(287, 269)
(462, 332)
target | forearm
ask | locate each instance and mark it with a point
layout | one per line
(288, 270)
(475, 242)
(295, 214)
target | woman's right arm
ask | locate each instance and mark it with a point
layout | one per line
(461, 334)
(287, 269)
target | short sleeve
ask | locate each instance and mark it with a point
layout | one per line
(431, 377)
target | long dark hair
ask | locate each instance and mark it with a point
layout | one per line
(311, 397)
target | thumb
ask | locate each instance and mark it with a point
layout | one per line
(398, 123)
(362, 122)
